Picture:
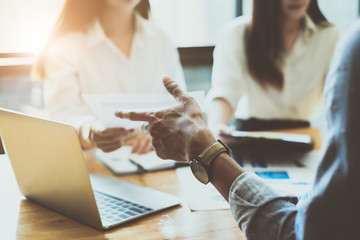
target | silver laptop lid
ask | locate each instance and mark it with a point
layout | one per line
(49, 167)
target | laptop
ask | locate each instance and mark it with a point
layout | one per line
(50, 169)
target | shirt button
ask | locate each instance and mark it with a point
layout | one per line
(342, 68)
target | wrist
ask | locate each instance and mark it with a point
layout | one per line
(199, 141)
(202, 164)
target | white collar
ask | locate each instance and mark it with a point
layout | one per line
(96, 34)
(310, 27)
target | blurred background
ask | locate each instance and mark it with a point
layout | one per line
(194, 26)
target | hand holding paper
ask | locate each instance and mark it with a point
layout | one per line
(105, 105)
(107, 139)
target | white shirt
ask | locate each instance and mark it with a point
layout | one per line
(305, 68)
(91, 63)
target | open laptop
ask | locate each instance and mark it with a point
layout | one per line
(49, 167)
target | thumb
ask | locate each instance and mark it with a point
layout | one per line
(174, 89)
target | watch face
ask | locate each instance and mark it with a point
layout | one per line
(199, 171)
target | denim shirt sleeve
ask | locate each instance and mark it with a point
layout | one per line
(256, 206)
(333, 211)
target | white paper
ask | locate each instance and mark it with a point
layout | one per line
(199, 196)
(151, 161)
(300, 170)
(105, 105)
(301, 138)
(117, 161)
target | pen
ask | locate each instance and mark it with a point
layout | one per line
(140, 168)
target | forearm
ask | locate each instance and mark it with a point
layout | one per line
(220, 112)
(259, 211)
(224, 170)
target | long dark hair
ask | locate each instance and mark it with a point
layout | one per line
(75, 16)
(264, 40)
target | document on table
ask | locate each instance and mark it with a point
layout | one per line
(105, 105)
(292, 178)
(200, 197)
(123, 162)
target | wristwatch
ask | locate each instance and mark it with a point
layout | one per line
(200, 165)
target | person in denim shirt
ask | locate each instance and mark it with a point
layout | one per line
(333, 210)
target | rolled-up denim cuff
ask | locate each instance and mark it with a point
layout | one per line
(248, 194)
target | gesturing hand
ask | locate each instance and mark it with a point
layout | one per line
(179, 133)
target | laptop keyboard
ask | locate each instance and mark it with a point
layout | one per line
(115, 210)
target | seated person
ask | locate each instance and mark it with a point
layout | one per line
(332, 212)
(104, 46)
(272, 66)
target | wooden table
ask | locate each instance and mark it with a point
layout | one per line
(23, 219)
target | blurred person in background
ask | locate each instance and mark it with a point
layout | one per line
(104, 46)
(272, 66)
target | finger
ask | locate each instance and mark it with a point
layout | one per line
(137, 116)
(159, 114)
(149, 148)
(174, 89)
(109, 148)
(128, 143)
(136, 147)
(145, 146)
(115, 131)
(107, 139)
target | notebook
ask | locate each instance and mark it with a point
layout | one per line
(123, 162)
(49, 167)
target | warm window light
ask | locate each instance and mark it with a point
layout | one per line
(26, 24)
(33, 38)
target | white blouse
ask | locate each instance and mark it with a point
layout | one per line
(305, 68)
(91, 63)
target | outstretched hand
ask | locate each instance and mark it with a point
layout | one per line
(107, 139)
(179, 133)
